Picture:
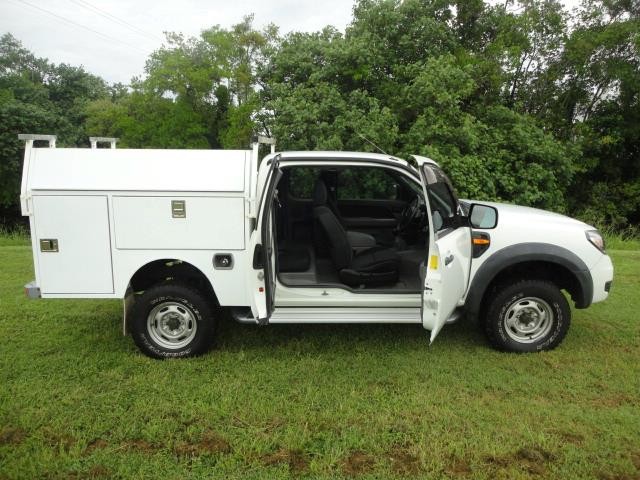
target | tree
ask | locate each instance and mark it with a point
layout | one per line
(197, 92)
(406, 76)
(37, 97)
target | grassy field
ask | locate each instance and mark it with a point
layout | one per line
(78, 401)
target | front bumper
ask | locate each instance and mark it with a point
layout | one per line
(602, 276)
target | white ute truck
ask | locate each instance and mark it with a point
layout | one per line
(300, 237)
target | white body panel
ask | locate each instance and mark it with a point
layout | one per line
(82, 264)
(133, 224)
(446, 284)
(517, 224)
(137, 170)
(447, 270)
(209, 223)
(601, 273)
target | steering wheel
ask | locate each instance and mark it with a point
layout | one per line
(410, 213)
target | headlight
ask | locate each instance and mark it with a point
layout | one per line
(596, 239)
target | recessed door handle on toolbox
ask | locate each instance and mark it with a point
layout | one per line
(448, 259)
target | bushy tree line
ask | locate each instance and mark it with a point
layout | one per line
(523, 102)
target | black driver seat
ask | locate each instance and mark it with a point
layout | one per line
(372, 267)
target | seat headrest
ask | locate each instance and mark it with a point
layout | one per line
(319, 193)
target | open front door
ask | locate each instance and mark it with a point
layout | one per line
(263, 275)
(447, 267)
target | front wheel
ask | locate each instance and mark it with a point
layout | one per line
(172, 320)
(528, 316)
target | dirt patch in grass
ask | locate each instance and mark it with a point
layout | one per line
(635, 459)
(12, 435)
(403, 462)
(614, 401)
(458, 468)
(297, 460)
(533, 460)
(99, 471)
(139, 445)
(569, 437)
(358, 463)
(95, 472)
(211, 443)
(96, 444)
(618, 476)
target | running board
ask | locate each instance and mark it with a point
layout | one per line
(345, 315)
(340, 315)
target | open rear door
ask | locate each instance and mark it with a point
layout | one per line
(447, 267)
(263, 275)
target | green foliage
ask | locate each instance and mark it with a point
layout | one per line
(197, 92)
(37, 97)
(17, 117)
(523, 102)
(240, 124)
(409, 95)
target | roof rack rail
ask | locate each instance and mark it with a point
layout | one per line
(95, 140)
(258, 140)
(32, 137)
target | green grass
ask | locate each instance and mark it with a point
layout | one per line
(78, 401)
(13, 238)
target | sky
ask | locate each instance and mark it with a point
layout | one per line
(113, 38)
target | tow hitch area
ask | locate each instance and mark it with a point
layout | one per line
(31, 290)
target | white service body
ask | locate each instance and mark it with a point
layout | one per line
(111, 213)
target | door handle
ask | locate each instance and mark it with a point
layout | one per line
(448, 259)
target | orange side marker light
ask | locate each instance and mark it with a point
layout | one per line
(481, 241)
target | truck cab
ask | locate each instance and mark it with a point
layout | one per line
(298, 237)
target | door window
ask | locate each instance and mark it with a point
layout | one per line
(444, 205)
(302, 180)
(365, 183)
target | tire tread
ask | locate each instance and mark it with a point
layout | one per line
(501, 293)
(206, 327)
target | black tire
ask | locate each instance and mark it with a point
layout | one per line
(192, 311)
(531, 300)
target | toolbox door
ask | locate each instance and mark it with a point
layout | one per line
(72, 244)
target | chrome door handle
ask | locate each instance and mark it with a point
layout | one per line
(448, 259)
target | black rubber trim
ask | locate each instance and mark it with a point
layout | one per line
(528, 252)
(363, 291)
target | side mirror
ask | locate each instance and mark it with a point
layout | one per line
(483, 216)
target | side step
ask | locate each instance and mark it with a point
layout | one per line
(334, 315)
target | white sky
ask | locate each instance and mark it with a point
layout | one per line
(122, 55)
(116, 51)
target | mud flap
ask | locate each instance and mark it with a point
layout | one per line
(127, 303)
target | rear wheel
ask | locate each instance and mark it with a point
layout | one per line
(172, 320)
(528, 316)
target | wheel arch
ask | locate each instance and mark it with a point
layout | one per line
(160, 270)
(166, 269)
(540, 261)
